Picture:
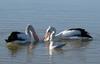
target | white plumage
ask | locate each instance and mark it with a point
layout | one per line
(74, 33)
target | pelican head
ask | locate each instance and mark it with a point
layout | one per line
(31, 32)
(48, 33)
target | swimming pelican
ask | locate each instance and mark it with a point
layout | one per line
(23, 38)
(74, 33)
(51, 45)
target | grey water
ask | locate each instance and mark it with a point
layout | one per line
(62, 14)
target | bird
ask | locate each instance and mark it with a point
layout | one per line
(23, 37)
(51, 44)
(69, 34)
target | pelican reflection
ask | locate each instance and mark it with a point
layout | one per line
(77, 43)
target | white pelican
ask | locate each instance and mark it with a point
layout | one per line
(51, 44)
(74, 33)
(23, 38)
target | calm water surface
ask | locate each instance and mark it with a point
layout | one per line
(62, 14)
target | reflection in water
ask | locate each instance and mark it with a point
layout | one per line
(13, 47)
(54, 50)
(53, 54)
(77, 43)
(51, 59)
(30, 50)
(57, 51)
(72, 43)
(74, 50)
(31, 46)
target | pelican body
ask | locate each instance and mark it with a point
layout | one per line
(74, 33)
(23, 37)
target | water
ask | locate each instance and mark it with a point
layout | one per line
(62, 14)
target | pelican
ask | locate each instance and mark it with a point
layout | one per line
(73, 33)
(51, 45)
(23, 37)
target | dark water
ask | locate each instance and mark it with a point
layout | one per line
(62, 14)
